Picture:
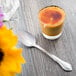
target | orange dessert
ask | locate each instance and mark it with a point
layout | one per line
(51, 20)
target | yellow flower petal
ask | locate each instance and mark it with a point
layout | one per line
(7, 38)
(12, 56)
(5, 73)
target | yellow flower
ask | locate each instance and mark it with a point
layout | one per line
(10, 56)
(7, 38)
(11, 59)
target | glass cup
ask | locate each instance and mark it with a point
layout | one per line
(51, 21)
(9, 7)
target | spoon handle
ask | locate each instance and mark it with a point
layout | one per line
(66, 66)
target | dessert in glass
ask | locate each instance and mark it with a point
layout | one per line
(51, 21)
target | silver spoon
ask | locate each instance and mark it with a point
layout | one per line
(29, 40)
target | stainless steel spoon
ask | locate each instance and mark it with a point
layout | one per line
(29, 40)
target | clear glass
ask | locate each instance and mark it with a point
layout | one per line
(47, 17)
(9, 7)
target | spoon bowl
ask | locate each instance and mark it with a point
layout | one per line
(27, 38)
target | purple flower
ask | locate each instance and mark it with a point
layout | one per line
(1, 17)
(1, 23)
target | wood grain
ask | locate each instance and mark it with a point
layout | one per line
(39, 64)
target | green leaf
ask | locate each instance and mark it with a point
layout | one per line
(5, 21)
(11, 28)
(18, 75)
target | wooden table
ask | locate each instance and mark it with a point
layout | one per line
(38, 64)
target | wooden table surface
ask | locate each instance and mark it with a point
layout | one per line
(38, 64)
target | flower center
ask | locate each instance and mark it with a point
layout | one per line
(1, 55)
